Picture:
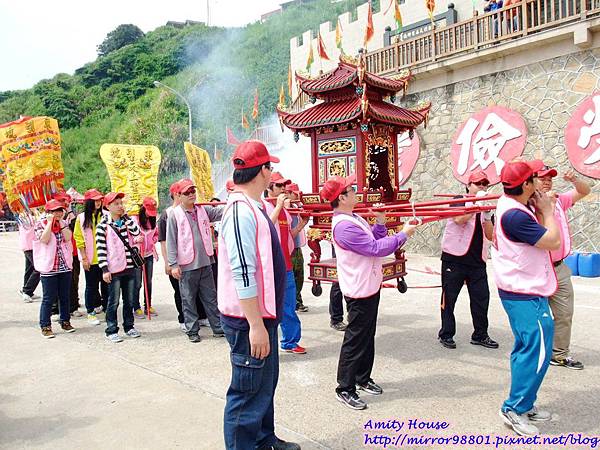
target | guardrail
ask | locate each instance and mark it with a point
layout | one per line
(521, 19)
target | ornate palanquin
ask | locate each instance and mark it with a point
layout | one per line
(354, 127)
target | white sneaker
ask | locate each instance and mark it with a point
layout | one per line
(519, 423)
(114, 338)
(55, 317)
(77, 313)
(133, 333)
(538, 415)
(183, 328)
(92, 319)
(204, 322)
(26, 297)
(98, 309)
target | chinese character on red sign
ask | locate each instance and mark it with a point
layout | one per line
(486, 141)
(582, 137)
(408, 154)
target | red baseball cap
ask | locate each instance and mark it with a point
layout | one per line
(547, 172)
(251, 154)
(293, 187)
(335, 185)
(150, 205)
(63, 197)
(477, 176)
(111, 197)
(54, 205)
(277, 178)
(173, 188)
(93, 194)
(184, 185)
(230, 186)
(515, 173)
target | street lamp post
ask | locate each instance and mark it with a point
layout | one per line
(182, 98)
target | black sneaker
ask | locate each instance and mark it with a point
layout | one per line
(339, 326)
(280, 445)
(301, 308)
(568, 362)
(447, 342)
(370, 388)
(487, 342)
(351, 400)
(194, 338)
(218, 333)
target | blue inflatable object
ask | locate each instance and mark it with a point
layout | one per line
(573, 261)
(589, 265)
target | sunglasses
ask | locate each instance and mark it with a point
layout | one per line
(279, 185)
(190, 192)
(482, 184)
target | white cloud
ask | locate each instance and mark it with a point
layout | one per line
(40, 39)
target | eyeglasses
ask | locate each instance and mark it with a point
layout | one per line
(482, 184)
(348, 189)
(190, 192)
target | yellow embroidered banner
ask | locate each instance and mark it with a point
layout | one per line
(133, 170)
(31, 166)
(200, 164)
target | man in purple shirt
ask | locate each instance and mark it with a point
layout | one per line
(357, 244)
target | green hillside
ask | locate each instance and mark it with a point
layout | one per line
(113, 99)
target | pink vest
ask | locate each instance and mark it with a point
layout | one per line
(150, 238)
(560, 215)
(227, 297)
(520, 267)
(45, 254)
(269, 208)
(88, 238)
(457, 238)
(185, 239)
(115, 251)
(359, 276)
(26, 236)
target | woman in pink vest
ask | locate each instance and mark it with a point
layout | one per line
(31, 277)
(53, 259)
(96, 290)
(524, 234)
(359, 250)
(562, 303)
(147, 223)
(464, 256)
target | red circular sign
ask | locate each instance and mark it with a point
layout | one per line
(582, 137)
(408, 154)
(486, 141)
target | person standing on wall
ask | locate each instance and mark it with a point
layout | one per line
(359, 250)
(562, 303)
(252, 287)
(465, 247)
(525, 232)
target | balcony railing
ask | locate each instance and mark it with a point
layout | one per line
(521, 19)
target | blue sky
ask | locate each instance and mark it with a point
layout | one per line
(39, 39)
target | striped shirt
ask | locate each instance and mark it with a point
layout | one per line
(126, 225)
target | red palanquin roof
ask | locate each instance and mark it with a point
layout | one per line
(346, 74)
(342, 111)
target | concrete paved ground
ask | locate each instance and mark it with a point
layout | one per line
(160, 391)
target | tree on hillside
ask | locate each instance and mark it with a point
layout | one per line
(119, 37)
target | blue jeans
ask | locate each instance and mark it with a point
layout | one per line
(124, 281)
(54, 286)
(249, 414)
(139, 283)
(533, 327)
(291, 331)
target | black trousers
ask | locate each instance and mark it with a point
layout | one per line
(179, 306)
(336, 304)
(358, 349)
(454, 276)
(31, 278)
(74, 294)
